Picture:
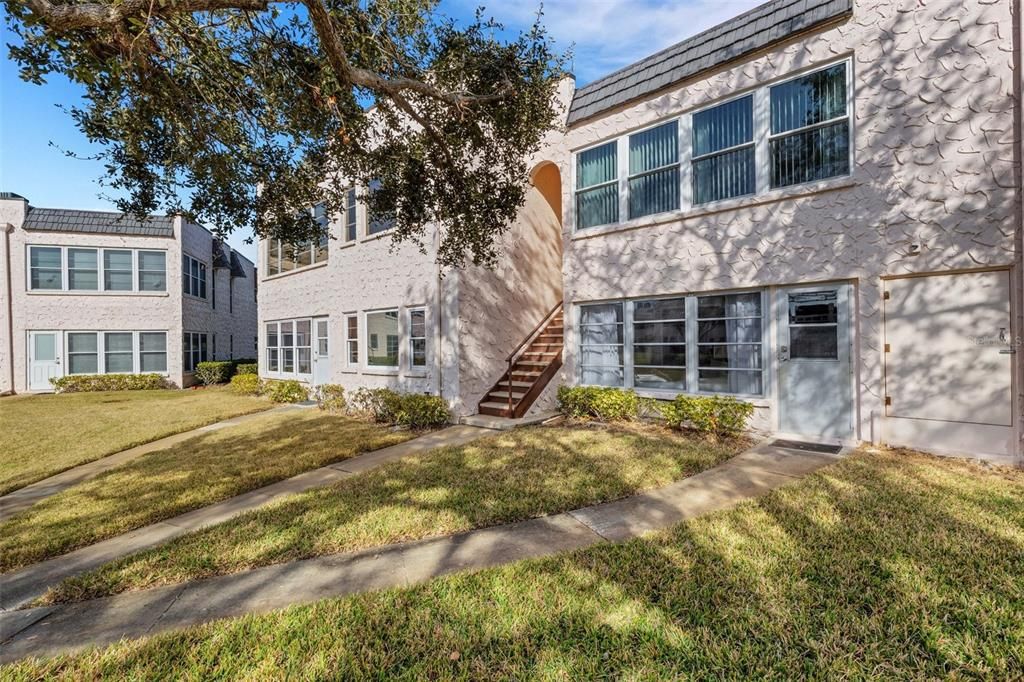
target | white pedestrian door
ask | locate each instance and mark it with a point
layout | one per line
(815, 398)
(321, 353)
(43, 360)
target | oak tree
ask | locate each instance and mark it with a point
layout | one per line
(247, 112)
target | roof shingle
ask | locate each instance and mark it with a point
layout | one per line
(96, 222)
(741, 35)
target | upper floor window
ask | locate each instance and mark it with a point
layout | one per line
(350, 215)
(723, 151)
(58, 268)
(376, 224)
(597, 190)
(653, 183)
(810, 128)
(193, 276)
(803, 136)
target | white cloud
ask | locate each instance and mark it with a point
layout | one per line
(610, 34)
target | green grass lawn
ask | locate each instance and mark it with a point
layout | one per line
(200, 471)
(42, 435)
(885, 566)
(516, 475)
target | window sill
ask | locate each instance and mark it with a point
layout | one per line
(53, 292)
(770, 197)
(296, 271)
(381, 371)
(758, 401)
(376, 236)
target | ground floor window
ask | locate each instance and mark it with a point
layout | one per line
(116, 352)
(697, 344)
(417, 337)
(289, 349)
(352, 340)
(195, 349)
(382, 332)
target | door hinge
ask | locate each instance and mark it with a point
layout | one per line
(885, 296)
(888, 401)
(888, 349)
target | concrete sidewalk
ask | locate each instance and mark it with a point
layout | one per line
(52, 630)
(23, 498)
(24, 585)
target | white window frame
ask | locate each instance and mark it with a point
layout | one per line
(759, 152)
(280, 373)
(101, 351)
(351, 217)
(188, 280)
(352, 342)
(410, 342)
(194, 346)
(65, 272)
(692, 327)
(762, 159)
(624, 168)
(365, 357)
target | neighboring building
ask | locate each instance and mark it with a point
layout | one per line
(814, 206)
(87, 292)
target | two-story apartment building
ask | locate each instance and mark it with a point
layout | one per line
(87, 292)
(815, 206)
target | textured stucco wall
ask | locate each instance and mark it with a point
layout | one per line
(934, 164)
(358, 277)
(93, 311)
(231, 320)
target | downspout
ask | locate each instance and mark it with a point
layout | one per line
(1018, 123)
(8, 228)
(440, 318)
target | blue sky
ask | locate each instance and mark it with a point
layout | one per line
(605, 35)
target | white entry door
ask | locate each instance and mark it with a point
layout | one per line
(321, 352)
(815, 397)
(43, 360)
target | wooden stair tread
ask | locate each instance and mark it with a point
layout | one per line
(495, 406)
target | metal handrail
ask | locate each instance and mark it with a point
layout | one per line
(517, 353)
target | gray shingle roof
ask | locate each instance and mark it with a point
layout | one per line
(741, 35)
(96, 222)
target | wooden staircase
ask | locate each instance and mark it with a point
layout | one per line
(530, 368)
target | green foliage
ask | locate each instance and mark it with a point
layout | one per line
(287, 391)
(412, 410)
(377, 404)
(259, 113)
(419, 411)
(246, 368)
(330, 397)
(246, 384)
(82, 383)
(214, 372)
(715, 415)
(605, 404)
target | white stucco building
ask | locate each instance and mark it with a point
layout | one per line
(87, 292)
(815, 206)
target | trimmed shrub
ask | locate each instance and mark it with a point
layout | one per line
(330, 397)
(287, 391)
(83, 383)
(605, 404)
(715, 415)
(378, 404)
(419, 411)
(246, 368)
(214, 372)
(246, 384)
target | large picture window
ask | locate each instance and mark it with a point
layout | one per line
(597, 188)
(723, 151)
(382, 330)
(810, 128)
(696, 344)
(116, 352)
(654, 170)
(601, 344)
(659, 344)
(83, 269)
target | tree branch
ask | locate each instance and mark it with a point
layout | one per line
(61, 17)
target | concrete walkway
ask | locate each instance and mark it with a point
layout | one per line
(20, 587)
(23, 498)
(52, 630)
